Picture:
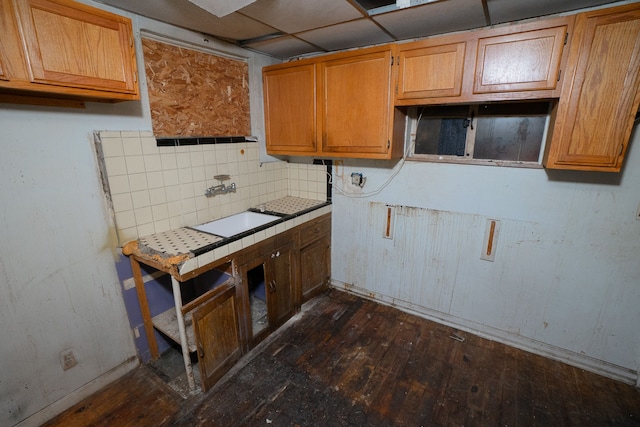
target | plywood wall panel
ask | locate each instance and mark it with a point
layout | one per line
(193, 93)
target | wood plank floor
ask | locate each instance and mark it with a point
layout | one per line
(347, 361)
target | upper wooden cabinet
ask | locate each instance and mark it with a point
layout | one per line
(520, 61)
(355, 104)
(600, 95)
(346, 112)
(430, 70)
(290, 108)
(67, 49)
(528, 60)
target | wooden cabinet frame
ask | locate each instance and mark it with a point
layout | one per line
(477, 66)
(601, 94)
(277, 258)
(225, 309)
(352, 105)
(67, 50)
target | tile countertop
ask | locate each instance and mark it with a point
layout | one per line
(183, 250)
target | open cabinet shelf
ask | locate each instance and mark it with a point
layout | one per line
(167, 323)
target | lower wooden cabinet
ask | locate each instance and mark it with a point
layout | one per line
(227, 307)
(217, 335)
(277, 275)
(267, 285)
(315, 258)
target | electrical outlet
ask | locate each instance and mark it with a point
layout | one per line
(357, 179)
(339, 167)
(68, 359)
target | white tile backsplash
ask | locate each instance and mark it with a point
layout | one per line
(154, 189)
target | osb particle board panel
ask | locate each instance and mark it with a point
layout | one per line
(194, 93)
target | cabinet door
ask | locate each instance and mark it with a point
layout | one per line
(290, 109)
(69, 44)
(600, 96)
(11, 54)
(280, 281)
(519, 62)
(315, 267)
(217, 336)
(430, 71)
(355, 102)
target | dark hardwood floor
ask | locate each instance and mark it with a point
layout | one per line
(347, 361)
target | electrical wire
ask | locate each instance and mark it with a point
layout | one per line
(396, 170)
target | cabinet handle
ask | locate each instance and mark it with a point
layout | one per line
(275, 255)
(272, 286)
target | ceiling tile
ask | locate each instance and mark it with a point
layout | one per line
(187, 15)
(433, 18)
(282, 47)
(361, 32)
(508, 10)
(293, 16)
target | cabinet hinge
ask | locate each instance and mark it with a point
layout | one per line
(559, 74)
(388, 144)
(566, 37)
(621, 149)
(392, 60)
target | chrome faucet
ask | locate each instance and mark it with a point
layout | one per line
(221, 188)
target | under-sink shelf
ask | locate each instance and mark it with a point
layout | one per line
(167, 323)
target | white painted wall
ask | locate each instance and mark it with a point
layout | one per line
(566, 277)
(58, 283)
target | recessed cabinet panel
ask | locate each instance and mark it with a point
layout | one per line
(430, 72)
(519, 62)
(77, 47)
(600, 99)
(356, 103)
(290, 109)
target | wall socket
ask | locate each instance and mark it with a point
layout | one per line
(68, 359)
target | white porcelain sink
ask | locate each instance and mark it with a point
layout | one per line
(235, 224)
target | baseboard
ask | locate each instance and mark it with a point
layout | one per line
(61, 405)
(581, 361)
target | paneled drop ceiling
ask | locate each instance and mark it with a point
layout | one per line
(290, 28)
